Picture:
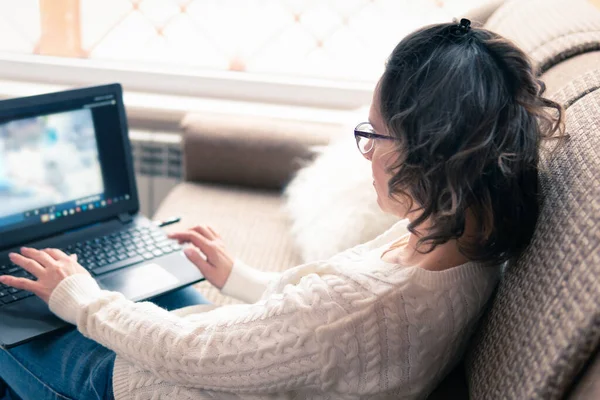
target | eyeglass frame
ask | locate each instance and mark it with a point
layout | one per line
(368, 135)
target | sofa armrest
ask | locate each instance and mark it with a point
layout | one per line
(254, 151)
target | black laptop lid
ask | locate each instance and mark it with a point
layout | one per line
(65, 162)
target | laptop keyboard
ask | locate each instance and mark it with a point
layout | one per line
(101, 255)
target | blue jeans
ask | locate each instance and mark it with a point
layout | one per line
(67, 365)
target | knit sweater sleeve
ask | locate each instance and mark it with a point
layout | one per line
(246, 283)
(270, 346)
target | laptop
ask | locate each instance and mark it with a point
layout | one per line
(67, 182)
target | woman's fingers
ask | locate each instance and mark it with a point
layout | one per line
(56, 254)
(50, 272)
(20, 283)
(198, 258)
(41, 257)
(29, 265)
(214, 232)
(196, 239)
(204, 231)
(210, 272)
(207, 253)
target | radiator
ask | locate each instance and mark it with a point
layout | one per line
(158, 166)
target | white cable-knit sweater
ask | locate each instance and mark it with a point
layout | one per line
(351, 327)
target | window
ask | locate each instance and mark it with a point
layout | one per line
(292, 45)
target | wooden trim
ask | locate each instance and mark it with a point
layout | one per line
(60, 28)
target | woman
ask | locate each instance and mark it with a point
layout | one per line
(453, 135)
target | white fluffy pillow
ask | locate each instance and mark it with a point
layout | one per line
(332, 202)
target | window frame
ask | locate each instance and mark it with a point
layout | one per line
(187, 81)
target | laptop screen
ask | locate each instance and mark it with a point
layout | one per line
(63, 159)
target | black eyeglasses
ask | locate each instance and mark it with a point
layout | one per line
(365, 137)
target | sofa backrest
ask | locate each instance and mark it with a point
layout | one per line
(252, 151)
(543, 325)
(544, 322)
(549, 31)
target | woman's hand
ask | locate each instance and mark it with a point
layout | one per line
(49, 266)
(208, 253)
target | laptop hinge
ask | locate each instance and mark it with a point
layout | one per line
(125, 218)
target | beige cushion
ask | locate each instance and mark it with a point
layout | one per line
(543, 324)
(549, 31)
(561, 74)
(252, 151)
(576, 89)
(250, 221)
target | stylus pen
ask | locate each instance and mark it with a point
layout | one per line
(170, 221)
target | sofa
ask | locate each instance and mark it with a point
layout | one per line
(539, 338)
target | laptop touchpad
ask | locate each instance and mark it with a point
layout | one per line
(140, 282)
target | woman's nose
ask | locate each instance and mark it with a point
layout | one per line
(369, 154)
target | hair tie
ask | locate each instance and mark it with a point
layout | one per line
(464, 25)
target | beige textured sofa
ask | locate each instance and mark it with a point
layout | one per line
(540, 337)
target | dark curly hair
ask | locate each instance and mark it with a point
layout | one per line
(469, 113)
